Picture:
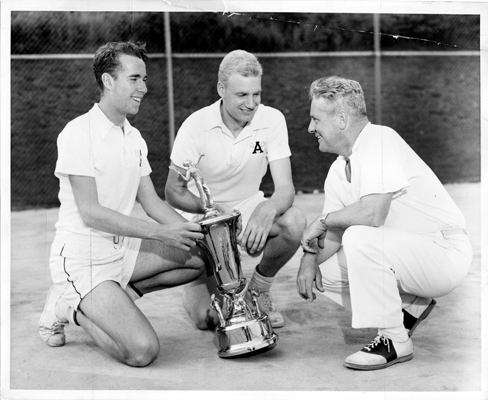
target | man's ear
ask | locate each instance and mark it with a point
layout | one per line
(108, 81)
(343, 116)
(220, 89)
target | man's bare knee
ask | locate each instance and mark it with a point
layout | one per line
(142, 353)
(196, 301)
(293, 223)
(204, 318)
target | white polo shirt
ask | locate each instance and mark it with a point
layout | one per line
(91, 145)
(382, 162)
(232, 168)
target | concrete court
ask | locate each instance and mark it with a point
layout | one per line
(309, 356)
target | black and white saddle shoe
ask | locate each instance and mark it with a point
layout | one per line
(380, 353)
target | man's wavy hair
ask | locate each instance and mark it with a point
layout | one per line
(340, 93)
(106, 58)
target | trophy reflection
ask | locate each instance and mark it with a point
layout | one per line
(245, 328)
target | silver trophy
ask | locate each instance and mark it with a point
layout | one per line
(245, 329)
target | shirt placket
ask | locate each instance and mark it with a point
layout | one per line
(238, 147)
(126, 150)
(234, 154)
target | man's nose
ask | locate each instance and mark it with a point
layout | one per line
(250, 102)
(311, 127)
(142, 87)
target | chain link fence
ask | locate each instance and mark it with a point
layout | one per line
(431, 97)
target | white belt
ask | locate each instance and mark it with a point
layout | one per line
(453, 232)
(91, 239)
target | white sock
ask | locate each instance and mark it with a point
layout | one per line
(65, 312)
(260, 282)
(417, 306)
(398, 334)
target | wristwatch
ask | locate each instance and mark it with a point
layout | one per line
(322, 220)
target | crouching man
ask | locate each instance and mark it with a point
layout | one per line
(390, 238)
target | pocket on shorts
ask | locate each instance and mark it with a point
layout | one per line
(92, 253)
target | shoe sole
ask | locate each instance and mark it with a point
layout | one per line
(424, 315)
(380, 366)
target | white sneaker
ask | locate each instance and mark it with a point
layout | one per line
(380, 353)
(51, 327)
(266, 305)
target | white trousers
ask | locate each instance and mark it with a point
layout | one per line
(378, 271)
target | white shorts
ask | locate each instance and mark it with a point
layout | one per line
(245, 207)
(79, 264)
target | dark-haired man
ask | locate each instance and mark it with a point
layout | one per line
(102, 258)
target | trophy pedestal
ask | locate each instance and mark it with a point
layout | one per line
(246, 337)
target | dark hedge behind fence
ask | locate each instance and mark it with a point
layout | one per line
(432, 101)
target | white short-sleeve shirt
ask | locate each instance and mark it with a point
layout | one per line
(91, 145)
(232, 168)
(382, 162)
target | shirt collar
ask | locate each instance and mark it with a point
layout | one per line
(103, 124)
(356, 143)
(214, 119)
(360, 136)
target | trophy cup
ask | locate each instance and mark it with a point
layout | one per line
(245, 329)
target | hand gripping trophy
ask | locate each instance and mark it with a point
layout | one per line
(246, 328)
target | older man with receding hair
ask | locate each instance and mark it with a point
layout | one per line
(390, 237)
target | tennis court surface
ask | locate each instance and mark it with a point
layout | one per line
(309, 355)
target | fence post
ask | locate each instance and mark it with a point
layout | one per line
(377, 68)
(169, 75)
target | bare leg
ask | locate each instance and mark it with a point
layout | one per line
(197, 299)
(283, 242)
(117, 326)
(154, 261)
(112, 319)
(196, 295)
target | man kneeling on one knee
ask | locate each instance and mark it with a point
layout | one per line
(390, 238)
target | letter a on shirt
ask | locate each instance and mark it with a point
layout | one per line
(257, 147)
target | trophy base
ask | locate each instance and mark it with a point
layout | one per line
(246, 337)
